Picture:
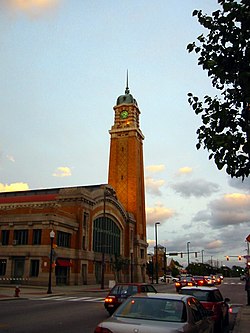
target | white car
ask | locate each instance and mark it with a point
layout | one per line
(161, 313)
(168, 278)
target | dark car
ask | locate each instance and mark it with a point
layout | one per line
(211, 299)
(161, 313)
(187, 281)
(122, 291)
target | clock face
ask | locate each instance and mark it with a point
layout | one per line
(124, 114)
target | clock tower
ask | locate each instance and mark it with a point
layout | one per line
(126, 172)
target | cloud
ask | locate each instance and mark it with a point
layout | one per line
(239, 184)
(196, 188)
(215, 244)
(10, 158)
(153, 186)
(14, 187)
(184, 170)
(158, 213)
(30, 7)
(231, 209)
(62, 172)
(155, 168)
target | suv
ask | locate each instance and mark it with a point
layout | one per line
(122, 291)
(211, 299)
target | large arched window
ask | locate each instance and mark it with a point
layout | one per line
(106, 236)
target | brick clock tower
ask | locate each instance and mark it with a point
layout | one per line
(126, 176)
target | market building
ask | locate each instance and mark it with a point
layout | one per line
(99, 230)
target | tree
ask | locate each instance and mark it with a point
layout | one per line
(225, 54)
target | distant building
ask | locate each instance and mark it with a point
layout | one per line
(100, 230)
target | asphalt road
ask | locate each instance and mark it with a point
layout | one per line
(75, 314)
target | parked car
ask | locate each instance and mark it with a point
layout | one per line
(211, 299)
(122, 291)
(161, 313)
(168, 278)
(187, 281)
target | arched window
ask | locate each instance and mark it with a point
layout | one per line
(106, 236)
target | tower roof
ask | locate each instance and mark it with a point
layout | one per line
(127, 98)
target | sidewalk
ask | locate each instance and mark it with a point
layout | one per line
(7, 292)
(242, 324)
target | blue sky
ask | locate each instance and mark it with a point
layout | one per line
(63, 65)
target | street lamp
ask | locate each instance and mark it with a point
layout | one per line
(188, 244)
(52, 236)
(156, 253)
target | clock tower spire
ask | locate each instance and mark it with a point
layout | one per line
(126, 169)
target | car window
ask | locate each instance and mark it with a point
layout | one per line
(153, 309)
(201, 295)
(119, 290)
(196, 312)
(150, 289)
(217, 295)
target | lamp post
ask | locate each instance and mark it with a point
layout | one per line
(188, 245)
(156, 252)
(51, 235)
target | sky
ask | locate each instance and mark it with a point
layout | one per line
(63, 65)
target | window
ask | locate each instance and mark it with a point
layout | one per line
(34, 268)
(20, 237)
(5, 237)
(106, 236)
(37, 235)
(63, 239)
(85, 220)
(84, 242)
(142, 254)
(3, 263)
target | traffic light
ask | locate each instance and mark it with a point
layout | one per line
(195, 254)
(227, 258)
(239, 258)
(181, 255)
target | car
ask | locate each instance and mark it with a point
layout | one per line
(187, 281)
(122, 291)
(161, 313)
(168, 278)
(243, 277)
(218, 279)
(199, 280)
(209, 280)
(211, 298)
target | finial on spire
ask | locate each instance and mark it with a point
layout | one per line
(127, 88)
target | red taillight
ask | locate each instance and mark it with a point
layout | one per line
(100, 329)
(190, 284)
(177, 284)
(109, 299)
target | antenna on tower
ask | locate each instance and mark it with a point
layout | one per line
(127, 88)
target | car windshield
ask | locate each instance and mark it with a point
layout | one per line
(124, 290)
(204, 295)
(153, 309)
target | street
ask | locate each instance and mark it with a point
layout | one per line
(78, 312)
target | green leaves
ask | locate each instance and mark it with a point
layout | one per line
(225, 54)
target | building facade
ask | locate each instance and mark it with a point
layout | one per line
(100, 230)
